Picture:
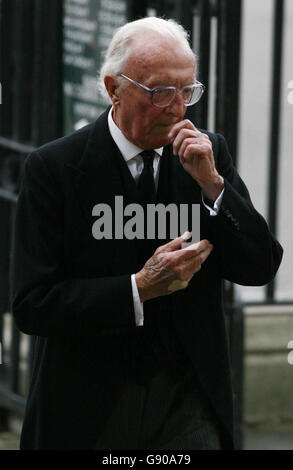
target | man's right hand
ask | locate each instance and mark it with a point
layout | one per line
(171, 268)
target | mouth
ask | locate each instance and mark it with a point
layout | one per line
(163, 129)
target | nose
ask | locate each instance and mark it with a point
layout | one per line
(177, 104)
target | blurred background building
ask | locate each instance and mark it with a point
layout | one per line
(50, 52)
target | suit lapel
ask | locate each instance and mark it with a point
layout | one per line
(96, 177)
(99, 177)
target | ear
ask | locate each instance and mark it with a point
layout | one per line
(113, 88)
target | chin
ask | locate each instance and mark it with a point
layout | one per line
(160, 142)
(155, 141)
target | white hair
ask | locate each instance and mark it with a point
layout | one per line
(119, 48)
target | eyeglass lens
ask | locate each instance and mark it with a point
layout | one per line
(163, 97)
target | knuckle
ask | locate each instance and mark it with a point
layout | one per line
(183, 145)
(190, 147)
(188, 123)
(159, 257)
(169, 261)
(185, 132)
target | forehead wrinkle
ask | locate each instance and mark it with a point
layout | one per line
(154, 55)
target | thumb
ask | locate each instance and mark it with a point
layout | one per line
(175, 244)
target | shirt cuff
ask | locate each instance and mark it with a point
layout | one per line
(138, 305)
(217, 204)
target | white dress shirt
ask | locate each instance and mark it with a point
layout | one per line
(134, 161)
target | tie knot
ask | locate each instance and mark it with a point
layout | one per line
(148, 157)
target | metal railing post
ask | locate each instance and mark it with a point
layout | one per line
(274, 136)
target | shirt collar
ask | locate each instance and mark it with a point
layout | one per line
(127, 148)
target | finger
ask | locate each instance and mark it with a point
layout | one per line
(203, 255)
(188, 137)
(184, 144)
(184, 268)
(197, 247)
(182, 135)
(186, 123)
(192, 149)
(193, 246)
(190, 252)
(187, 268)
(195, 257)
(174, 244)
(203, 244)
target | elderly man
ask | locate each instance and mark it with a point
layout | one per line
(131, 347)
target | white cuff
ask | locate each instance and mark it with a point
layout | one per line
(217, 204)
(138, 305)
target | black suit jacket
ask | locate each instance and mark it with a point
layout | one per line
(73, 292)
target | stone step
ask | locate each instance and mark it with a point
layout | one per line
(268, 373)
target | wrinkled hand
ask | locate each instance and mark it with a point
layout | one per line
(195, 152)
(171, 268)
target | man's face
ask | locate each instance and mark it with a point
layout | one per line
(159, 63)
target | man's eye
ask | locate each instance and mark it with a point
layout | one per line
(187, 91)
(163, 92)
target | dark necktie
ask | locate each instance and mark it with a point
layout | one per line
(146, 182)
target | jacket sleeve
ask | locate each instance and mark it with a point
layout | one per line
(247, 253)
(44, 301)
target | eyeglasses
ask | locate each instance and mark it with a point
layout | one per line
(162, 96)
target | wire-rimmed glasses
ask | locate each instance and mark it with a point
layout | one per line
(162, 96)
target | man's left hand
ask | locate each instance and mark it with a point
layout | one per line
(197, 158)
